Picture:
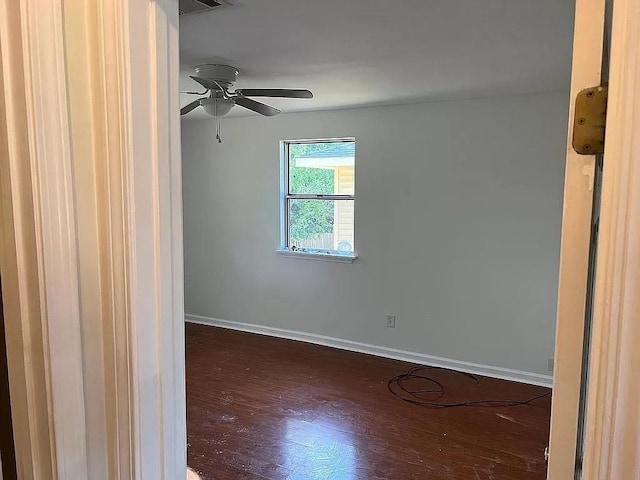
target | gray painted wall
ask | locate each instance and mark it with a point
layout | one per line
(458, 215)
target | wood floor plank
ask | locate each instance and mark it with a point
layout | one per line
(269, 408)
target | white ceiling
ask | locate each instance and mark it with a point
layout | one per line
(367, 52)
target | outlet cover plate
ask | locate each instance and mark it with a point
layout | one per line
(391, 321)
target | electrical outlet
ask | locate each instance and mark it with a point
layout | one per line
(550, 364)
(391, 321)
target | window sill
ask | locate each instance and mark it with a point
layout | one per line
(327, 257)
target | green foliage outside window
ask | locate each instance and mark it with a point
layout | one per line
(309, 218)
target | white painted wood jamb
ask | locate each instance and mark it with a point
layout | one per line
(52, 177)
(169, 198)
(155, 244)
(131, 91)
(21, 287)
(114, 151)
(574, 252)
(142, 239)
(612, 447)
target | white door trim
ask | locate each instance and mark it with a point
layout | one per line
(91, 237)
(574, 254)
(22, 263)
(155, 206)
(55, 217)
(612, 447)
(131, 86)
(612, 437)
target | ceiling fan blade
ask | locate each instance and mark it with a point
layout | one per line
(257, 107)
(206, 83)
(275, 92)
(187, 108)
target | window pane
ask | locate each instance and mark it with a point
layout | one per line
(321, 224)
(322, 168)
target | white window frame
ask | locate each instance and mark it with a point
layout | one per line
(286, 197)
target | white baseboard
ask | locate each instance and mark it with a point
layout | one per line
(419, 358)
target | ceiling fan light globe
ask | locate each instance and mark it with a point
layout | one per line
(223, 106)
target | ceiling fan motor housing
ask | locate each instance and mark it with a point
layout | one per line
(223, 74)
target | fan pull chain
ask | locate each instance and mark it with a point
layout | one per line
(218, 129)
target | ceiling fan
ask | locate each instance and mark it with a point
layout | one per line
(217, 80)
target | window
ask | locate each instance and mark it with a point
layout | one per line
(318, 197)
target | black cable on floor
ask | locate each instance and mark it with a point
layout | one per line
(435, 390)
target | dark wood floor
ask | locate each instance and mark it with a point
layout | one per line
(268, 408)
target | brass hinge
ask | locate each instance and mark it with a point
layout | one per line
(589, 121)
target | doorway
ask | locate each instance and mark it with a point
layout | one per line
(610, 355)
(456, 214)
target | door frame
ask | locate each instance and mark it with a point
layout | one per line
(612, 426)
(612, 436)
(91, 198)
(128, 82)
(574, 251)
